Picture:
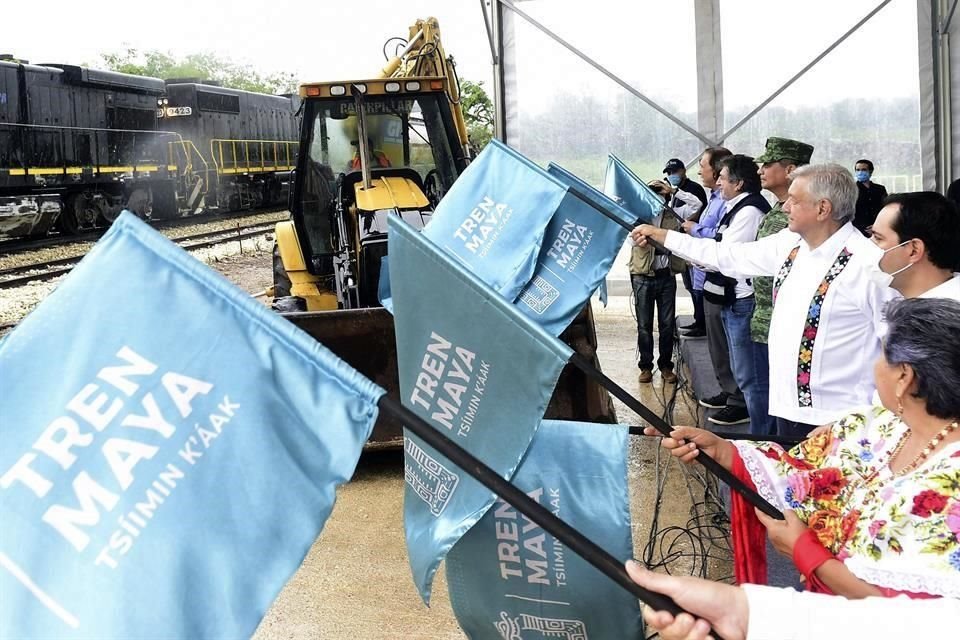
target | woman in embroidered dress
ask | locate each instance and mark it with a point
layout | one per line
(872, 506)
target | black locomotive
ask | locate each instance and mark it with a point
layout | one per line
(246, 142)
(79, 145)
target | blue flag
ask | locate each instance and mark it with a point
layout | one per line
(623, 185)
(474, 368)
(170, 450)
(508, 578)
(579, 248)
(493, 218)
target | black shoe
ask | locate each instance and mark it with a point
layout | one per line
(718, 401)
(730, 415)
(695, 333)
(693, 326)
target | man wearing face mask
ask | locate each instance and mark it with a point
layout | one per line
(920, 235)
(827, 315)
(870, 196)
(689, 200)
(676, 174)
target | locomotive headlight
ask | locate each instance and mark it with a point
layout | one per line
(338, 90)
(413, 86)
(392, 87)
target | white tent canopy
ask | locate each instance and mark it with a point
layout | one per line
(651, 81)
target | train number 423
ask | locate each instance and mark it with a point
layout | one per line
(171, 112)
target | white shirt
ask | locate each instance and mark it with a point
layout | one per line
(949, 289)
(785, 614)
(685, 204)
(848, 338)
(743, 228)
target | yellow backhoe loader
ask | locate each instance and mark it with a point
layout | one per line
(368, 149)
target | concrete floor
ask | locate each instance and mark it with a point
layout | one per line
(355, 581)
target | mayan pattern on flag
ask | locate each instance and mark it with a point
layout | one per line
(508, 578)
(474, 368)
(170, 449)
(579, 248)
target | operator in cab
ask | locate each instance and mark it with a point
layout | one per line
(377, 157)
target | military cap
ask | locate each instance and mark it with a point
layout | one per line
(778, 149)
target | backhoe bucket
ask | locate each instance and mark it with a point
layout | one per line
(364, 338)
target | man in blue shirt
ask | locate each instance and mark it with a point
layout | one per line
(712, 320)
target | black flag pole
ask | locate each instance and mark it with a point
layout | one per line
(784, 441)
(660, 425)
(534, 511)
(653, 419)
(623, 223)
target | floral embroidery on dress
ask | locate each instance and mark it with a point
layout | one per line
(895, 531)
(812, 326)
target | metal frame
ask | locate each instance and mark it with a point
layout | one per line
(946, 23)
(709, 52)
(942, 17)
(709, 68)
(599, 67)
(495, 34)
(803, 71)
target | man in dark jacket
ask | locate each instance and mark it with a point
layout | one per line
(870, 196)
(676, 174)
(683, 188)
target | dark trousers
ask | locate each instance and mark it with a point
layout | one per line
(660, 289)
(698, 315)
(696, 295)
(794, 429)
(720, 353)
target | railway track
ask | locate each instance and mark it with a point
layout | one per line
(50, 269)
(17, 245)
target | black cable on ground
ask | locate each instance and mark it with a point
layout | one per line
(702, 544)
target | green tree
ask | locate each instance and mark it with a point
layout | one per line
(204, 66)
(478, 113)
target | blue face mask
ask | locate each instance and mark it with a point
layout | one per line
(674, 179)
(862, 176)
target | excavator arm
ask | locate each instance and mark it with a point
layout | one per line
(423, 55)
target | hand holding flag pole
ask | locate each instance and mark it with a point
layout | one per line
(660, 425)
(534, 511)
(629, 227)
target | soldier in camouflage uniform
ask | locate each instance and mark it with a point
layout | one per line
(780, 156)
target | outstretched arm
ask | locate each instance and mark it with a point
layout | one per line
(735, 259)
(766, 613)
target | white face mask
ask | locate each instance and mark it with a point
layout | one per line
(880, 277)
